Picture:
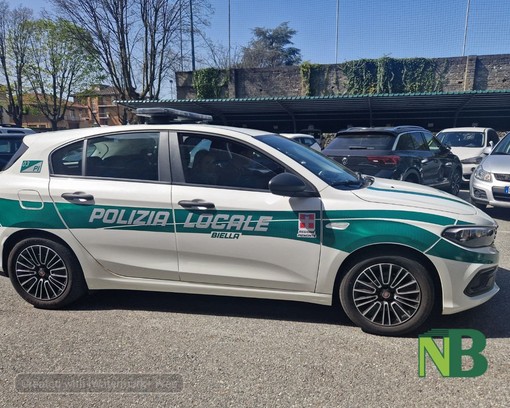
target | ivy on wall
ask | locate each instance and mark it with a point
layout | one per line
(210, 83)
(308, 72)
(391, 75)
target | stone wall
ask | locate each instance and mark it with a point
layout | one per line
(486, 72)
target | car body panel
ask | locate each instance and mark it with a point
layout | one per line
(496, 191)
(387, 153)
(470, 144)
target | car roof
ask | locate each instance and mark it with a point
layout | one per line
(389, 129)
(466, 129)
(59, 137)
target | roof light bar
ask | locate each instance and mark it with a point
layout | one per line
(170, 115)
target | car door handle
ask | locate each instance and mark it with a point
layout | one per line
(196, 204)
(79, 198)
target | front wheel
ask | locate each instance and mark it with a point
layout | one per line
(387, 295)
(46, 273)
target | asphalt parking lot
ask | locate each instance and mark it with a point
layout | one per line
(239, 352)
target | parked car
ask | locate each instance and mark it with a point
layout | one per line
(307, 140)
(10, 140)
(202, 209)
(470, 144)
(408, 153)
(490, 182)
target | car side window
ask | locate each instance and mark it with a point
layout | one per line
(406, 141)
(433, 144)
(220, 162)
(130, 156)
(67, 161)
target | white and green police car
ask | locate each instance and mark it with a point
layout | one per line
(204, 209)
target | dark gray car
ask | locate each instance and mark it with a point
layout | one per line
(408, 153)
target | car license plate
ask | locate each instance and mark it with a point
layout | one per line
(507, 190)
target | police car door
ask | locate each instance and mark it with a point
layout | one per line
(230, 229)
(117, 203)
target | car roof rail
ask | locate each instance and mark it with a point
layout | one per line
(158, 116)
(8, 125)
(409, 127)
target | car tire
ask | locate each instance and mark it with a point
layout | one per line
(412, 178)
(455, 183)
(387, 295)
(46, 273)
(480, 206)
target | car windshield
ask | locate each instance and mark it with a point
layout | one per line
(503, 147)
(326, 169)
(461, 139)
(368, 141)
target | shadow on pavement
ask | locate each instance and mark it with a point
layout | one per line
(212, 305)
(490, 318)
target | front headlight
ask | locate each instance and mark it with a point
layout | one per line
(483, 175)
(471, 237)
(472, 160)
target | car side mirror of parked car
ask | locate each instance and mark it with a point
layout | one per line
(487, 150)
(289, 185)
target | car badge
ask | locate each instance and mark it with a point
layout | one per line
(345, 160)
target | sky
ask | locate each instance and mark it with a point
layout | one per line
(366, 28)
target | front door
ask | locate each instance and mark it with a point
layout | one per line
(231, 230)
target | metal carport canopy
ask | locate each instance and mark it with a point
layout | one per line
(332, 113)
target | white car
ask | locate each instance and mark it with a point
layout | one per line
(470, 144)
(304, 139)
(490, 183)
(203, 209)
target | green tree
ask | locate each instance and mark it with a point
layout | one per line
(57, 67)
(15, 34)
(271, 48)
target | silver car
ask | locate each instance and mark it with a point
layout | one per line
(490, 182)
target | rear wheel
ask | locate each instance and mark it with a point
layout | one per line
(388, 295)
(412, 178)
(455, 183)
(46, 273)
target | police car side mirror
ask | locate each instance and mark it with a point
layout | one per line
(289, 185)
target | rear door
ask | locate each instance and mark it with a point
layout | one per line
(114, 195)
(414, 146)
(443, 156)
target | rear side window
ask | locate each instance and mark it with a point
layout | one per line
(369, 141)
(21, 150)
(10, 146)
(412, 141)
(132, 156)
